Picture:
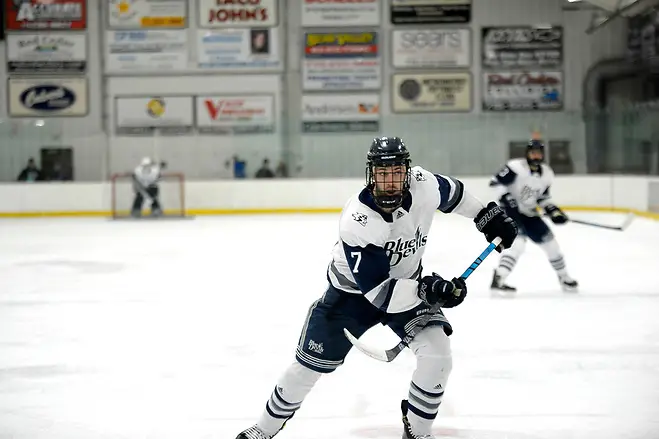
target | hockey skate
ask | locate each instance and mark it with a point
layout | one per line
(407, 432)
(568, 284)
(254, 432)
(499, 287)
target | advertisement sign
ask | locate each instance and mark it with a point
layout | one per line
(52, 97)
(233, 49)
(341, 12)
(510, 91)
(244, 114)
(231, 13)
(142, 115)
(519, 47)
(430, 11)
(334, 113)
(341, 61)
(45, 14)
(46, 53)
(147, 14)
(146, 50)
(448, 92)
(431, 48)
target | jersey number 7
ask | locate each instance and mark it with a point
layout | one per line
(358, 256)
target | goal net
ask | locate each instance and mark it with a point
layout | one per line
(171, 196)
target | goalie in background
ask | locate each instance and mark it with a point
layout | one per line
(145, 185)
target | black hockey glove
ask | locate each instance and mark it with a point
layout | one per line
(493, 222)
(556, 215)
(434, 289)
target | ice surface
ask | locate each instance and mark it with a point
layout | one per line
(128, 330)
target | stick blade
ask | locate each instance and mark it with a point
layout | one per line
(628, 220)
(371, 352)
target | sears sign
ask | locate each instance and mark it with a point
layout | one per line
(57, 97)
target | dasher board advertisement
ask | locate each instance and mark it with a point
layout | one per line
(235, 114)
(23, 15)
(339, 13)
(239, 49)
(427, 48)
(522, 91)
(143, 115)
(512, 47)
(147, 14)
(448, 92)
(47, 52)
(146, 50)
(341, 61)
(48, 97)
(337, 113)
(410, 12)
(231, 13)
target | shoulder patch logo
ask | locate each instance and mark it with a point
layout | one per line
(361, 218)
(418, 176)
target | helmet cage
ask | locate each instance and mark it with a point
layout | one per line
(381, 198)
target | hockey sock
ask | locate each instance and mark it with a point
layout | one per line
(510, 257)
(434, 362)
(287, 397)
(555, 257)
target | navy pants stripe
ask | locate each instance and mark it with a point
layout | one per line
(323, 346)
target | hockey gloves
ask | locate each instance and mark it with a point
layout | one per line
(507, 201)
(556, 215)
(434, 289)
(493, 222)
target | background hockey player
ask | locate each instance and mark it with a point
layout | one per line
(145, 185)
(376, 277)
(523, 185)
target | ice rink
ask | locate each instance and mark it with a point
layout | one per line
(180, 329)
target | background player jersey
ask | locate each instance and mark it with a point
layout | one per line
(529, 189)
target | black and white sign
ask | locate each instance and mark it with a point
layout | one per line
(514, 91)
(239, 49)
(227, 114)
(137, 115)
(337, 13)
(446, 92)
(337, 113)
(431, 48)
(520, 47)
(147, 14)
(430, 11)
(47, 53)
(52, 97)
(146, 50)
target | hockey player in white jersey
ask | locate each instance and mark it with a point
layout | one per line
(375, 276)
(522, 186)
(145, 185)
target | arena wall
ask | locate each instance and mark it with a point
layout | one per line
(595, 193)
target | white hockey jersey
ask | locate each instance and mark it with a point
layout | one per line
(379, 254)
(147, 175)
(530, 189)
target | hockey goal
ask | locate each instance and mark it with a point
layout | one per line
(171, 196)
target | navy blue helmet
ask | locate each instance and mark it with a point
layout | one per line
(535, 145)
(388, 152)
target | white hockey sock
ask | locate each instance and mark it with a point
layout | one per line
(287, 397)
(555, 257)
(434, 362)
(510, 257)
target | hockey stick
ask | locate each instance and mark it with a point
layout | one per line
(389, 354)
(628, 220)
